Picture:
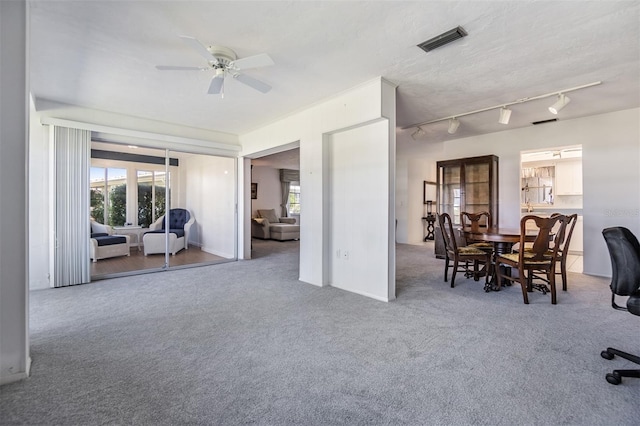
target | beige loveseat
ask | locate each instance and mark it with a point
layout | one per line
(268, 226)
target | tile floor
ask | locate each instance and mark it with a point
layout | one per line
(574, 263)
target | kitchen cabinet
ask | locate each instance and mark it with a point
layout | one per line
(466, 184)
(569, 178)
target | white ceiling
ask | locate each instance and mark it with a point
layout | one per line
(102, 55)
(289, 159)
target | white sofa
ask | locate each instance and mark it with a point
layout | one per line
(180, 223)
(105, 244)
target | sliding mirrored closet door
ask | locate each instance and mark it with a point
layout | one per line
(128, 187)
(203, 200)
(131, 191)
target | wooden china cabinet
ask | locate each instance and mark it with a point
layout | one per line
(466, 184)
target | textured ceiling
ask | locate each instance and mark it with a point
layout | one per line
(102, 55)
(289, 159)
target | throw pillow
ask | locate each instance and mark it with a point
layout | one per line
(98, 228)
(270, 215)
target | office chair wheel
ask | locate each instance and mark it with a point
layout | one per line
(613, 378)
(606, 355)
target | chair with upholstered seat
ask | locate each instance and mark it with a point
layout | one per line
(476, 222)
(461, 256)
(180, 223)
(563, 250)
(562, 240)
(539, 258)
(624, 251)
(104, 244)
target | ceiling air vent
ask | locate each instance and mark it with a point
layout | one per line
(442, 39)
(551, 120)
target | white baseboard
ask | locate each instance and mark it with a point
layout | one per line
(217, 253)
(362, 293)
(16, 377)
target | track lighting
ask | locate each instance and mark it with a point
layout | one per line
(418, 133)
(453, 125)
(505, 115)
(560, 103)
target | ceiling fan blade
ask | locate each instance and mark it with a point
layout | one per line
(261, 60)
(200, 48)
(178, 68)
(252, 82)
(216, 84)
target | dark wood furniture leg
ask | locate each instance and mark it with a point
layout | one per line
(499, 247)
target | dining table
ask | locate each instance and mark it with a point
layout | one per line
(503, 239)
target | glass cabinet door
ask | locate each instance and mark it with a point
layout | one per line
(450, 193)
(476, 187)
(466, 185)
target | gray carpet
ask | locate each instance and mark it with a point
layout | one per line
(245, 342)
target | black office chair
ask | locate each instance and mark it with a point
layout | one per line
(624, 250)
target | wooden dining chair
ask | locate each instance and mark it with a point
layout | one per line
(476, 222)
(461, 256)
(539, 258)
(563, 242)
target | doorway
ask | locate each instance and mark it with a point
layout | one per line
(275, 185)
(551, 181)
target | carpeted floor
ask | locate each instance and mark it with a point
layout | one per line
(246, 342)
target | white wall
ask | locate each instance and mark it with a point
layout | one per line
(39, 182)
(210, 194)
(358, 183)
(411, 174)
(361, 105)
(14, 235)
(611, 176)
(269, 189)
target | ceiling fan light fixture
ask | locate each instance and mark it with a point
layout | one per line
(453, 125)
(223, 62)
(505, 115)
(562, 102)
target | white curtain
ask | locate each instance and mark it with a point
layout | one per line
(72, 151)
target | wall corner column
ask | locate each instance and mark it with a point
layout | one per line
(14, 107)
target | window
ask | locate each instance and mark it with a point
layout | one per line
(151, 196)
(109, 195)
(294, 198)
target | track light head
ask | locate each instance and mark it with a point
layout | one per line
(560, 103)
(505, 115)
(418, 133)
(453, 125)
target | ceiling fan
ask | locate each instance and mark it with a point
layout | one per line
(224, 63)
